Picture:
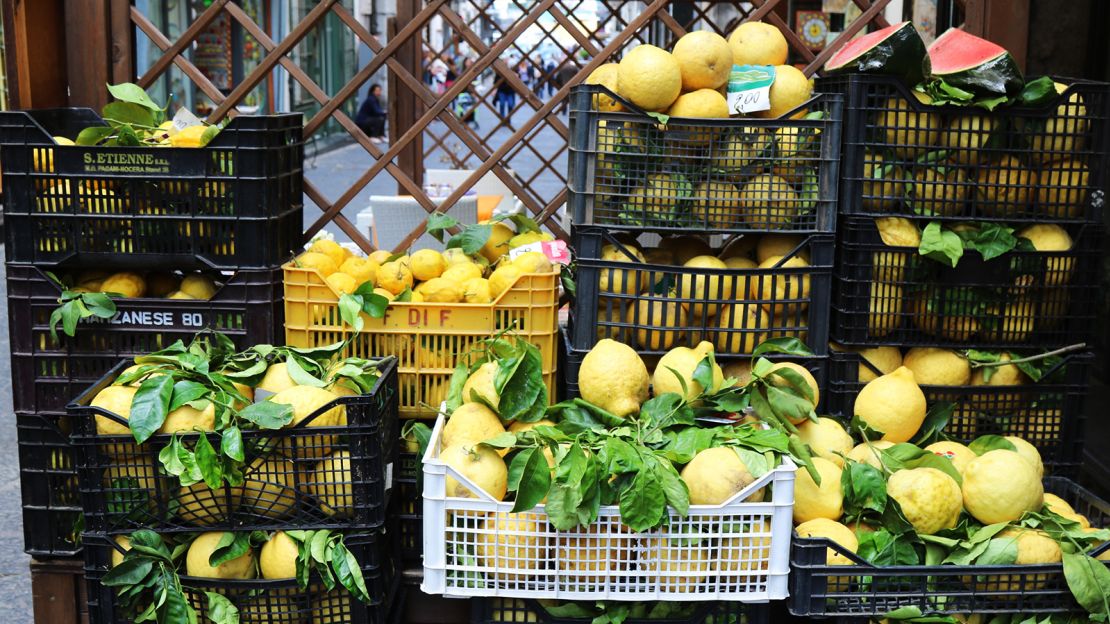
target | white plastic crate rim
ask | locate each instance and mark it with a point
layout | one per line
(736, 551)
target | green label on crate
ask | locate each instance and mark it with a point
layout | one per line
(749, 88)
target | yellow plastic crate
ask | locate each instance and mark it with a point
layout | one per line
(426, 338)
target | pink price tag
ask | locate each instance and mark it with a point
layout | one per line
(556, 251)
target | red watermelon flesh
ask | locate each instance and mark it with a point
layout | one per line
(895, 50)
(973, 64)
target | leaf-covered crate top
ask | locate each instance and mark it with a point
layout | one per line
(1049, 413)
(887, 294)
(820, 590)
(235, 203)
(291, 476)
(1020, 164)
(425, 337)
(734, 551)
(655, 307)
(634, 170)
(261, 600)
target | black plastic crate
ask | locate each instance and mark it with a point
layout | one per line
(48, 372)
(519, 610)
(866, 591)
(1014, 164)
(1021, 299)
(264, 600)
(236, 202)
(571, 361)
(735, 309)
(1049, 414)
(409, 508)
(629, 172)
(294, 476)
(48, 484)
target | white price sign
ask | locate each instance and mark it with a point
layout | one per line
(749, 88)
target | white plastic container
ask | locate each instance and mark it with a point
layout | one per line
(737, 551)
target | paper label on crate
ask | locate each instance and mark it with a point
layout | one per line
(749, 88)
(184, 118)
(556, 251)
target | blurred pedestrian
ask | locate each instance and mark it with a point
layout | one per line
(371, 115)
(506, 99)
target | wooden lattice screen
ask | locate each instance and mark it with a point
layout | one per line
(425, 121)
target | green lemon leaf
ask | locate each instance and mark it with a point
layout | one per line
(533, 479)
(220, 609)
(643, 504)
(131, 571)
(350, 309)
(131, 92)
(438, 223)
(1089, 582)
(267, 414)
(231, 444)
(864, 489)
(472, 238)
(941, 245)
(208, 460)
(991, 442)
(93, 135)
(128, 114)
(785, 345)
(150, 406)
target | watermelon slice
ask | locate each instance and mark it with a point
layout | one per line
(895, 50)
(968, 62)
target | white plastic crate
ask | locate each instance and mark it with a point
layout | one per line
(738, 551)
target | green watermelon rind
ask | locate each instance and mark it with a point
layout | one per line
(902, 53)
(998, 75)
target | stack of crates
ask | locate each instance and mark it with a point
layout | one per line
(230, 211)
(717, 230)
(306, 478)
(974, 233)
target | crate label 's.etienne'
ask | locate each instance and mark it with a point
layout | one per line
(139, 161)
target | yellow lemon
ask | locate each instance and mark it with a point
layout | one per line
(704, 60)
(395, 277)
(342, 283)
(427, 264)
(200, 551)
(756, 43)
(497, 244)
(503, 278)
(127, 284)
(476, 290)
(893, 404)
(606, 76)
(362, 269)
(818, 501)
(331, 249)
(462, 272)
(533, 262)
(198, 286)
(649, 77)
(790, 90)
(318, 261)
